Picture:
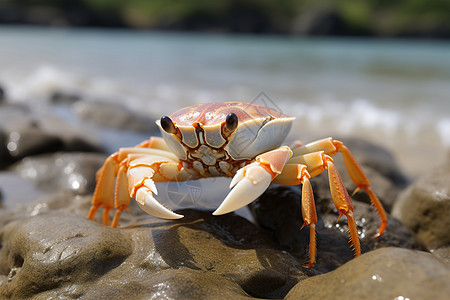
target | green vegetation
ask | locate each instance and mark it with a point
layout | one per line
(428, 18)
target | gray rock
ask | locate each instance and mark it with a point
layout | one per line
(388, 273)
(50, 249)
(283, 219)
(377, 158)
(443, 254)
(5, 157)
(114, 115)
(2, 94)
(24, 133)
(63, 97)
(425, 207)
(73, 171)
(31, 140)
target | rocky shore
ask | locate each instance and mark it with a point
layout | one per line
(50, 250)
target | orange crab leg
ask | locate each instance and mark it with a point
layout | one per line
(362, 182)
(104, 190)
(154, 143)
(309, 216)
(332, 147)
(111, 192)
(298, 174)
(316, 163)
(343, 203)
(122, 197)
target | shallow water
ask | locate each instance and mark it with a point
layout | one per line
(392, 92)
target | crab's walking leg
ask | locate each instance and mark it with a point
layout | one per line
(294, 174)
(359, 178)
(104, 190)
(252, 180)
(112, 188)
(316, 163)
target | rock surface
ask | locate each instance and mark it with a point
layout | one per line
(74, 171)
(51, 252)
(113, 115)
(425, 207)
(388, 273)
(23, 133)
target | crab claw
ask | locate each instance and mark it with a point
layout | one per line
(252, 180)
(249, 183)
(148, 203)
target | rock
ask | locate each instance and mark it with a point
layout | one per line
(443, 254)
(2, 94)
(5, 157)
(24, 133)
(425, 207)
(50, 249)
(114, 115)
(377, 158)
(75, 137)
(62, 171)
(61, 97)
(31, 140)
(388, 273)
(278, 211)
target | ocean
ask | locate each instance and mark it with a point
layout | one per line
(395, 93)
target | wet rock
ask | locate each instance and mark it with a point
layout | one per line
(443, 254)
(61, 97)
(62, 171)
(2, 94)
(425, 207)
(283, 219)
(377, 158)
(4, 153)
(75, 137)
(114, 115)
(31, 140)
(23, 133)
(388, 273)
(50, 249)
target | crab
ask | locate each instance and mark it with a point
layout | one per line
(232, 139)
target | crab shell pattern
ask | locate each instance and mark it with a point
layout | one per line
(232, 139)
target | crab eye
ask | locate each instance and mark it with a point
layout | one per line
(231, 122)
(167, 125)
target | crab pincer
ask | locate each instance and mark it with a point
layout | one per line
(253, 180)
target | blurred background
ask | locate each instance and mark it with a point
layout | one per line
(379, 70)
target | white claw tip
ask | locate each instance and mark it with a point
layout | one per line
(151, 206)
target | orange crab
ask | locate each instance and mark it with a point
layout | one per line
(231, 139)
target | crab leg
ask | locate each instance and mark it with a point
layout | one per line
(359, 178)
(109, 192)
(294, 174)
(104, 190)
(315, 163)
(252, 180)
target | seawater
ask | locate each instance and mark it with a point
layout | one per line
(395, 93)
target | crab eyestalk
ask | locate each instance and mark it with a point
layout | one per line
(168, 125)
(230, 125)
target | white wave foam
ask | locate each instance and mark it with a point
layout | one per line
(443, 128)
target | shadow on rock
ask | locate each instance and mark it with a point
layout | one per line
(229, 246)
